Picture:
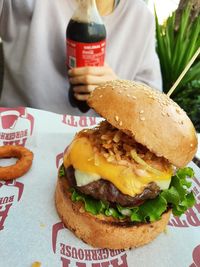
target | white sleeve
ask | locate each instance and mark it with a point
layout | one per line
(149, 70)
(1, 6)
(2, 2)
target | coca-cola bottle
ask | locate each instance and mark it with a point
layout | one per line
(86, 41)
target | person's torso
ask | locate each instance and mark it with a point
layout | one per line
(33, 34)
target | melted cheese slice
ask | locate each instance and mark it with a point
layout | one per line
(81, 156)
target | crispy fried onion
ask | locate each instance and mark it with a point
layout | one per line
(22, 165)
(119, 148)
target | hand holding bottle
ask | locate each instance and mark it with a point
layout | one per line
(86, 46)
(85, 79)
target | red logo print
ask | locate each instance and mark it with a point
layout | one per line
(56, 228)
(59, 158)
(16, 125)
(72, 256)
(75, 121)
(196, 257)
(10, 192)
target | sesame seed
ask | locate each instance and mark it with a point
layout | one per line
(116, 118)
(163, 113)
(134, 97)
(142, 118)
(141, 111)
(101, 96)
(191, 145)
(120, 123)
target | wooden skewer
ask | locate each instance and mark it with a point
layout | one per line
(184, 72)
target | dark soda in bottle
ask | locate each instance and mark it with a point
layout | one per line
(86, 41)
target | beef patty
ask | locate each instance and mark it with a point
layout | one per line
(105, 190)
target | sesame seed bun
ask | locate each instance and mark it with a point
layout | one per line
(101, 231)
(151, 117)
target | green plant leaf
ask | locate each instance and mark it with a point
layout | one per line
(191, 75)
(193, 37)
(176, 47)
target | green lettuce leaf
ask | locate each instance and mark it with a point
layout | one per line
(114, 213)
(62, 171)
(91, 205)
(176, 197)
(152, 209)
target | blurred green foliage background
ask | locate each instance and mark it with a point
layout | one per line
(175, 47)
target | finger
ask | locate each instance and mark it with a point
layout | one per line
(97, 71)
(87, 79)
(84, 88)
(81, 97)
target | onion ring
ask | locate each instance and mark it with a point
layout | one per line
(23, 164)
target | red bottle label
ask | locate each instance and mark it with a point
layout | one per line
(85, 54)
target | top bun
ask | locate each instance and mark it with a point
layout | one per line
(151, 117)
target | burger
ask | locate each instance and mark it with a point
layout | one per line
(120, 181)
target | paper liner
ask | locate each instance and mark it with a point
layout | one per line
(30, 229)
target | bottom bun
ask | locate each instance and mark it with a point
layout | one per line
(101, 231)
